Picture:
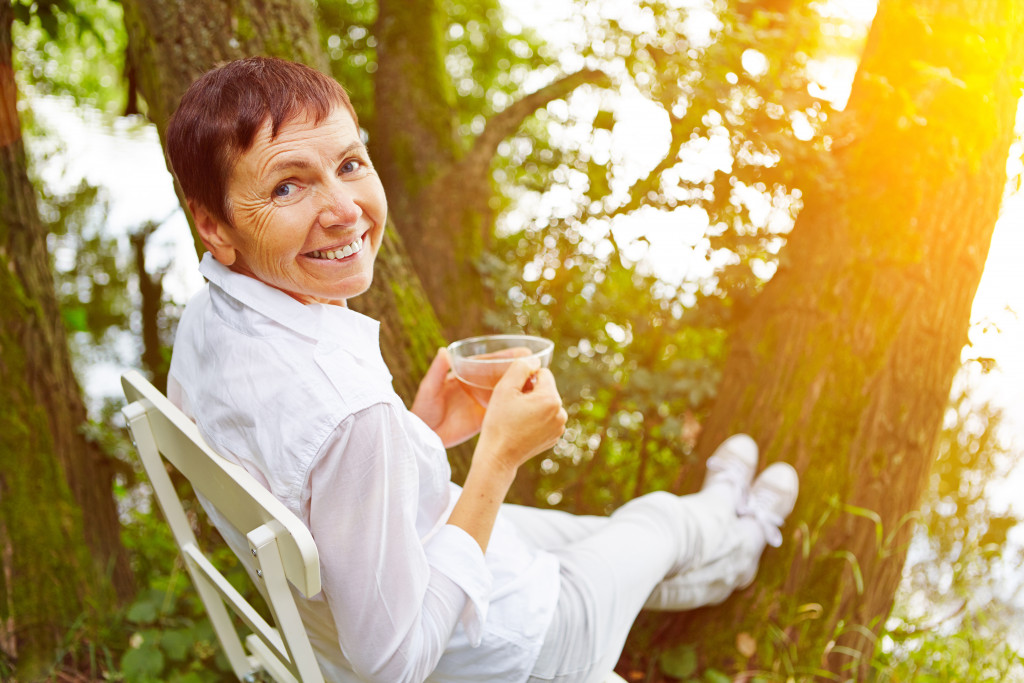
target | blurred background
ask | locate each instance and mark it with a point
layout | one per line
(636, 207)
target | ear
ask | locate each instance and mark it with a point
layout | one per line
(215, 235)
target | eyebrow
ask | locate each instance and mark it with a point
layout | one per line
(287, 164)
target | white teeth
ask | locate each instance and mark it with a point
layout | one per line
(348, 250)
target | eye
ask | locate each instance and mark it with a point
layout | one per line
(351, 166)
(284, 190)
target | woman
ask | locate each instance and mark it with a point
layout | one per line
(421, 578)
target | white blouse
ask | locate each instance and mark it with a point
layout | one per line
(300, 396)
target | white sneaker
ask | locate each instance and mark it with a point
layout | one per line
(771, 499)
(733, 465)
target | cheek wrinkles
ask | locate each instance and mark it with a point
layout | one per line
(261, 221)
(252, 219)
(247, 208)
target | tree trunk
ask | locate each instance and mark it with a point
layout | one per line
(843, 366)
(151, 294)
(55, 486)
(414, 142)
(440, 191)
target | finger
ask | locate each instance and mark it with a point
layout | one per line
(556, 435)
(544, 381)
(518, 373)
(531, 381)
(437, 371)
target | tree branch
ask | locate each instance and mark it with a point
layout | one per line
(508, 121)
(637, 195)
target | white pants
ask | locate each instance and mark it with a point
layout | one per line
(611, 565)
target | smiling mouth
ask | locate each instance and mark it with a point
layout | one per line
(344, 252)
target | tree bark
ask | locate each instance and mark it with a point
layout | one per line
(55, 486)
(151, 294)
(844, 364)
(439, 190)
(414, 140)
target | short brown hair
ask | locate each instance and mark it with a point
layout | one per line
(222, 111)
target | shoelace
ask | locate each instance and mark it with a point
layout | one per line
(732, 472)
(759, 505)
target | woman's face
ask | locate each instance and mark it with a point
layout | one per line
(307, 211)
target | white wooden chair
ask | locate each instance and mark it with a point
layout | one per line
(281, 547)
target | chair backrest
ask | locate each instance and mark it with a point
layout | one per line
(281, 549)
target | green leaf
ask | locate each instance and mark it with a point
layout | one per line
(143, 612)
(713, 676)
(147, 607)
(190, 677)
(176, 643)
(142, 664)
(679, 662)
(76, 319)
(221, 660)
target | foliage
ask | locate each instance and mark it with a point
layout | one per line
(346, 28)
(578, 254)
(96, 269)
(166, 634)
(74, 48)
(92, 274)
(956, 603)
(973, 651)
(740, 127)
(635, 379)
(957, 599)
(488, 57)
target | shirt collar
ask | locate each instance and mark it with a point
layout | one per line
(328, 324)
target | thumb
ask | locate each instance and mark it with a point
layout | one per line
(518, 373)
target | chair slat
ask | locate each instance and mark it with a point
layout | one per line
(239, 604)
(233, 491)
(279, 673)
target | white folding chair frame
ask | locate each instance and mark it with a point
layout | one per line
(282, 548)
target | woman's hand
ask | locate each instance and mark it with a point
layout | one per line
(524, 417)
(445, 406)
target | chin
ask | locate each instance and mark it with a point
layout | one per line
(354, 289)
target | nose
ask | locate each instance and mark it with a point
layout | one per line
(338, 205)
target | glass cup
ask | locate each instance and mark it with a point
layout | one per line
(479, 362)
